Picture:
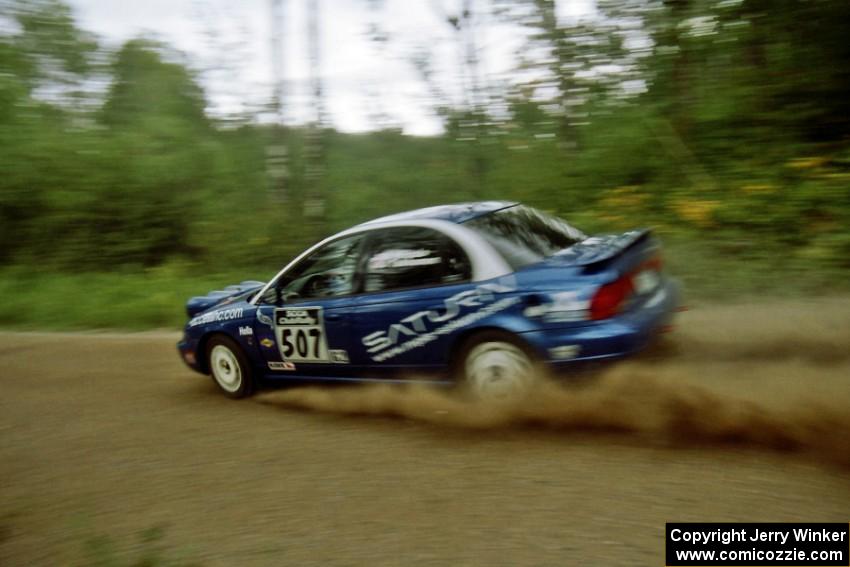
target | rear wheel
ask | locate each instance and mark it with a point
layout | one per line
(229, 367)
(496, 366)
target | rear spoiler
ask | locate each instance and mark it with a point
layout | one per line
(592, 253)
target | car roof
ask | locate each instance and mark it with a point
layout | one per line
(457, 213)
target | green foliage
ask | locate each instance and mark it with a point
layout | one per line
(153, 95)
(737, 151)
(129, 299)
(149, 551)
(49, 37)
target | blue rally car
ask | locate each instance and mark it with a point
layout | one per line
(476, 293)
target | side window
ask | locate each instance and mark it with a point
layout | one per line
(327, 272)
(412, 257)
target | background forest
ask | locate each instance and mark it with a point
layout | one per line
(723, 124)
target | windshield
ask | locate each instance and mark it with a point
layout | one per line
(523, 235)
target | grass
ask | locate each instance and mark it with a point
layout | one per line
(149, 551)
(149, 299)
(155, 298)
(722, 271)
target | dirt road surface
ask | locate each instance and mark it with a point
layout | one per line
(742, 416)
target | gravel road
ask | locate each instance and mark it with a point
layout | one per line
(741, 416)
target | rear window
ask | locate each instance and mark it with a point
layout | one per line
(523, 235)
(408, 257)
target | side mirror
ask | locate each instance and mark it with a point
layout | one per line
(271, 296)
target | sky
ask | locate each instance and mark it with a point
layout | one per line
(367, 84)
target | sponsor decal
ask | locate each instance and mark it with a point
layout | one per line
(246, 332)
(448, 328)
(285, 365)
(300, 334)
(267, 342)
(305, 316)
(426, 326)
(564, 307)
(338, 355)
(216, 316)
(397, 258)
(425, 323)
(564, 352)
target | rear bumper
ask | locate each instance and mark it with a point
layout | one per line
(612, 338)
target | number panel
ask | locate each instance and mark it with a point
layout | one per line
(300, 333)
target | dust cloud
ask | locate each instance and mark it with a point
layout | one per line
(770, 376)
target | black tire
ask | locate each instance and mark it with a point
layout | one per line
(495, 365)
(229, 367)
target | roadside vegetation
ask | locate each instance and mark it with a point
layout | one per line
(119, 203)
(150, 550)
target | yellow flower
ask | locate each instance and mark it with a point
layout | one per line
(700, 212)
(760, 188)
(807, 162)
(624, 198)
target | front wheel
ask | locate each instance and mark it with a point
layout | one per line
(495, 366)
(229, 367)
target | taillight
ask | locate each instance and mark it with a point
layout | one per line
(609, 298)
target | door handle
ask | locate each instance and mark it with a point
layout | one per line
(333, 317)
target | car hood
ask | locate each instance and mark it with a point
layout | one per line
(201, 303)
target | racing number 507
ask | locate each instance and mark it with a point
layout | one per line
(301, 342)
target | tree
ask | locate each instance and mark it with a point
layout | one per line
(160, 148)
(41, 62)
